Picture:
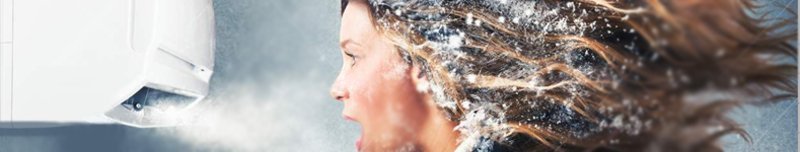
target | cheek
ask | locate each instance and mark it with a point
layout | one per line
(369, 91)
(388, 99)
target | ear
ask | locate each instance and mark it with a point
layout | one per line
(419, 78)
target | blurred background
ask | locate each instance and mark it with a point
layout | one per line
(275, 61)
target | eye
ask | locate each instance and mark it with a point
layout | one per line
(352, 57)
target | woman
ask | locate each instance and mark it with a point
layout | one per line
(552, 75)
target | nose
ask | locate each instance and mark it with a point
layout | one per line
(338, 94)
(338, 91)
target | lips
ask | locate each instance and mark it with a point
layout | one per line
(360, 138)
(346, 117)
(358, 142)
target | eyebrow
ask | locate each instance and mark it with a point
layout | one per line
(347, 41)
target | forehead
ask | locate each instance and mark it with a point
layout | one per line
(356, 22)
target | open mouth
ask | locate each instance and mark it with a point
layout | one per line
(358, 142)
(360, 138)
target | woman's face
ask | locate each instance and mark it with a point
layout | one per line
(377, 86)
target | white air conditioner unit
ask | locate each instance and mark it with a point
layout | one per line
(99, 61)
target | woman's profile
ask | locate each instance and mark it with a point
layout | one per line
(553, 75)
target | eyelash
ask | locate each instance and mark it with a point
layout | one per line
(353, 57)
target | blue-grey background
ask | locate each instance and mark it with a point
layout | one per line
(275, 62)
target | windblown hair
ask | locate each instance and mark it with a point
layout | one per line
(627, 75)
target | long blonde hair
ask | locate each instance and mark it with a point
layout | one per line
(629, 75)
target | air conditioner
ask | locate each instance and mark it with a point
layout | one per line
(135, 62)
